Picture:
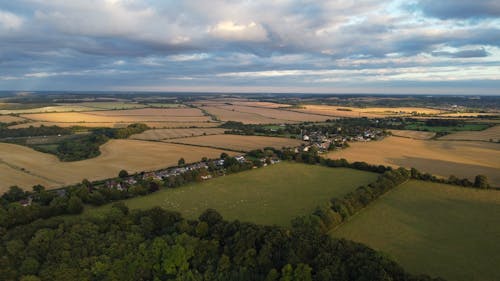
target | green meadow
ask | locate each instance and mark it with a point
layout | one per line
(441, 230)
(269, 195)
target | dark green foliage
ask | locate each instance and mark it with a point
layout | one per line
(160, 245)
(33, 131)
(481, 181)
(123, 174)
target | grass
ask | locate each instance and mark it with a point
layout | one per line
(437, 229)
(465, 127)
(269, 195)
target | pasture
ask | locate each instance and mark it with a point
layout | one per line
(238, 143)
(270, 195)
(131, 155)
(436, 229)
(444, 158)
(162, 134)
(490, 134)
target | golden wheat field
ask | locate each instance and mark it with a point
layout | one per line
(444, 158)
(260, 104)
(95, 117)
(490, 134)
(370, 112)
(177, 112)
(131, 155)
(419, 135)
(10, 119)
(158, 125)
(55, 108)
(237, 142)
(244, 117)
(162, 134)
(276, 113)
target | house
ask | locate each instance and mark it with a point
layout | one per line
(240, 159)
(305, 138)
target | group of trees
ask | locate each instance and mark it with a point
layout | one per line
(31, 131)
(480, 181)
(337, 210)
(161, 245)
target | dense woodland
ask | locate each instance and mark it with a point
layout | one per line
(161, 245)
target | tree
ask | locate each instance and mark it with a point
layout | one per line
(75, 205)
(481, 181)
(14, 194)
(223, 155)
(211, 217)
(123, 174)
(29, 266)
(181, 162)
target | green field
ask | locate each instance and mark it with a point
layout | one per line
(437, 229)
(269, 195)
(437, 129)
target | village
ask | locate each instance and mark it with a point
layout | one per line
(324, 142)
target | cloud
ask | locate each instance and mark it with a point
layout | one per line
(460, 9)
(10, 21)
(474, 53)
(229, 30)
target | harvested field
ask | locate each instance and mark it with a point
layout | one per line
(94, 117)
(490, 134)
(270, 195)
(239, 143)
(370, 112)
(260, 104)
(469, 114)
(111, 105)
(57, 108)
(436, 229)
(11, 176)
(276, 113)
(120, 125)
(10, 119)
(247, 118)
(419, 135)
(444, 158)
(162, 134)
(177, 112)
(131, 155)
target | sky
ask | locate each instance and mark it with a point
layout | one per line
(365, 46)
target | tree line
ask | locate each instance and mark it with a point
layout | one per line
(160, 245)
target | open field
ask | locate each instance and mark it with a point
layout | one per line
(469, 114)
(276, 113)
(120, 125)
(444, 158)
(437, 229)
(112, 105)
(270, 195)
(131, 155)
(115, 117)
(10, 119)
(458, 128)
(419, 135)
(178, 112)
(56, 108)
(162, 134)
(370, 112)
(239, 143)
(260, 104)
(492, 133)
(244, 117)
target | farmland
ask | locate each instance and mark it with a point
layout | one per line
(162, 134)
(238, 116)
(155, 124)
(10, 119)
(445, 158)
(269, 195)
(436, 229)
(419, 135)
(275, 113)
(490, 134)
(239, 143)
(131, 155)
(370, 112)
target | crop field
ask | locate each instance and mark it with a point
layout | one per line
(444, 158)
(244, 117)
(131, 155)
(276, 113)
(56, 108)
(490, 134)
(370, 112)
(437, 229)
(162, 134)
(270, 195)
(260, 104)
(166, 124)
(177, 112)
(419, 135)
(237, 142)
(111, 105)
(469, 114)
(129, 116)
(10, 119)
(465, 127)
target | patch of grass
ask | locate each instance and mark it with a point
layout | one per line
(269, 195)
(440, 129)
(437, 229)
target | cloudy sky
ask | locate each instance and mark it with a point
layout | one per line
(365, 46)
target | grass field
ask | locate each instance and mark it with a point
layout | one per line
(239, 143)
(489, 134)
(370, 112)
(419, 135)
(162, 134)
(441, 230)
(269, 195)
(131, 155)
(445, 158)
(465, 127)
